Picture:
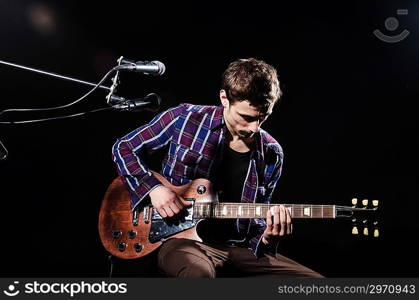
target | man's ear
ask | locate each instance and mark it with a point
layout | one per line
(224, 99)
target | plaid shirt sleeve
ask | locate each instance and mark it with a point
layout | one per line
(258, 246)
(126, 152)
(275, 177)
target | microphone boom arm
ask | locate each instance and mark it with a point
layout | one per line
(53, 74)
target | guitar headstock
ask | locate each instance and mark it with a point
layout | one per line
(364, 216)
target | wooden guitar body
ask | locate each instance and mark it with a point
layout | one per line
(126, 233)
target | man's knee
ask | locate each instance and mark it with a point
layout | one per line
(169, 250)
(184, 258)
(198, 269)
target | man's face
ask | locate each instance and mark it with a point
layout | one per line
(243, 119)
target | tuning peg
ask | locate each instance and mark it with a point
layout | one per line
(376, 231)
(354, 201)
(365, 230)
(354, 228)
(375, 203)
(365, 202)
(365, 227)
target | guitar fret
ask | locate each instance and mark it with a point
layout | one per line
(307, 211)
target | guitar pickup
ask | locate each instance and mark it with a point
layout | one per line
(146, 214)
(135, 217)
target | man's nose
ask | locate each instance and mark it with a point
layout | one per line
(254, 126)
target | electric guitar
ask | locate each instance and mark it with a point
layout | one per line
(130, 234)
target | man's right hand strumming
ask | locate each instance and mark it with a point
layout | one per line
(167, 202)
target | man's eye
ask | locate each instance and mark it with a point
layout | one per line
(248, 119)
(252, 119)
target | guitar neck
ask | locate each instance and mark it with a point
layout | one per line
(259, 210)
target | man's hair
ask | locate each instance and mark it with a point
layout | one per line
(253, 80)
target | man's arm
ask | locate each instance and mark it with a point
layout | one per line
(263, 242)
(276, 174)
(278, 219)
(126, 152)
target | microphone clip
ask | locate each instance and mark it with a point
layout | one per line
(115, 83)
(3, 152)
(151, 102)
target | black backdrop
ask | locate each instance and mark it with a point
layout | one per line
(347, 122)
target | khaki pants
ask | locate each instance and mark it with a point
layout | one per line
(192, 259)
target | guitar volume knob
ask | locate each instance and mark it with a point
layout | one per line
(122, 246)
(132, 234)
(116, 234)
(138, 247)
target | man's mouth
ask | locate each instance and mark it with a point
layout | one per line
(246, 134)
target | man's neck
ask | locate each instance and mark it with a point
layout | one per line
(239, 144)
(236, 142)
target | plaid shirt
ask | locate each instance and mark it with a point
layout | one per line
(195, 135)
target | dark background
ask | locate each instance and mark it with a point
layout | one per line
(347, 121)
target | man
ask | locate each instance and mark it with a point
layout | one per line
(226, 145)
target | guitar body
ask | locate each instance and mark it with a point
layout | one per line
(131, 234)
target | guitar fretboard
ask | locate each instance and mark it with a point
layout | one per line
(258, 210)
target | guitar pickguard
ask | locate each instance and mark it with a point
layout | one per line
(161, 228)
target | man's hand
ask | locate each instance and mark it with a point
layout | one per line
(167, 202)
(280, 225)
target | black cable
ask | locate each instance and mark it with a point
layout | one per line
(66, 105)
(110, 259)
(56, 118)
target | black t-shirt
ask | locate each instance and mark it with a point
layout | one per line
(232, 174)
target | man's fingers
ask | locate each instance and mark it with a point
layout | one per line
(289, 222)
(278, 221)
(184, 202)
(268, 230)
(276, 225)
(178, 203)
(269, 220)
(283, 218)
(162, 212)
(168, 211)
(174, 208)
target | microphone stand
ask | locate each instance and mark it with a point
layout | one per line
(112, 99)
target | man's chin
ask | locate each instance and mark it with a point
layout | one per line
(246, 136)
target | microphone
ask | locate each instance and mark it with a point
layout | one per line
(3, 151)
(154, 67)
(150, 102)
